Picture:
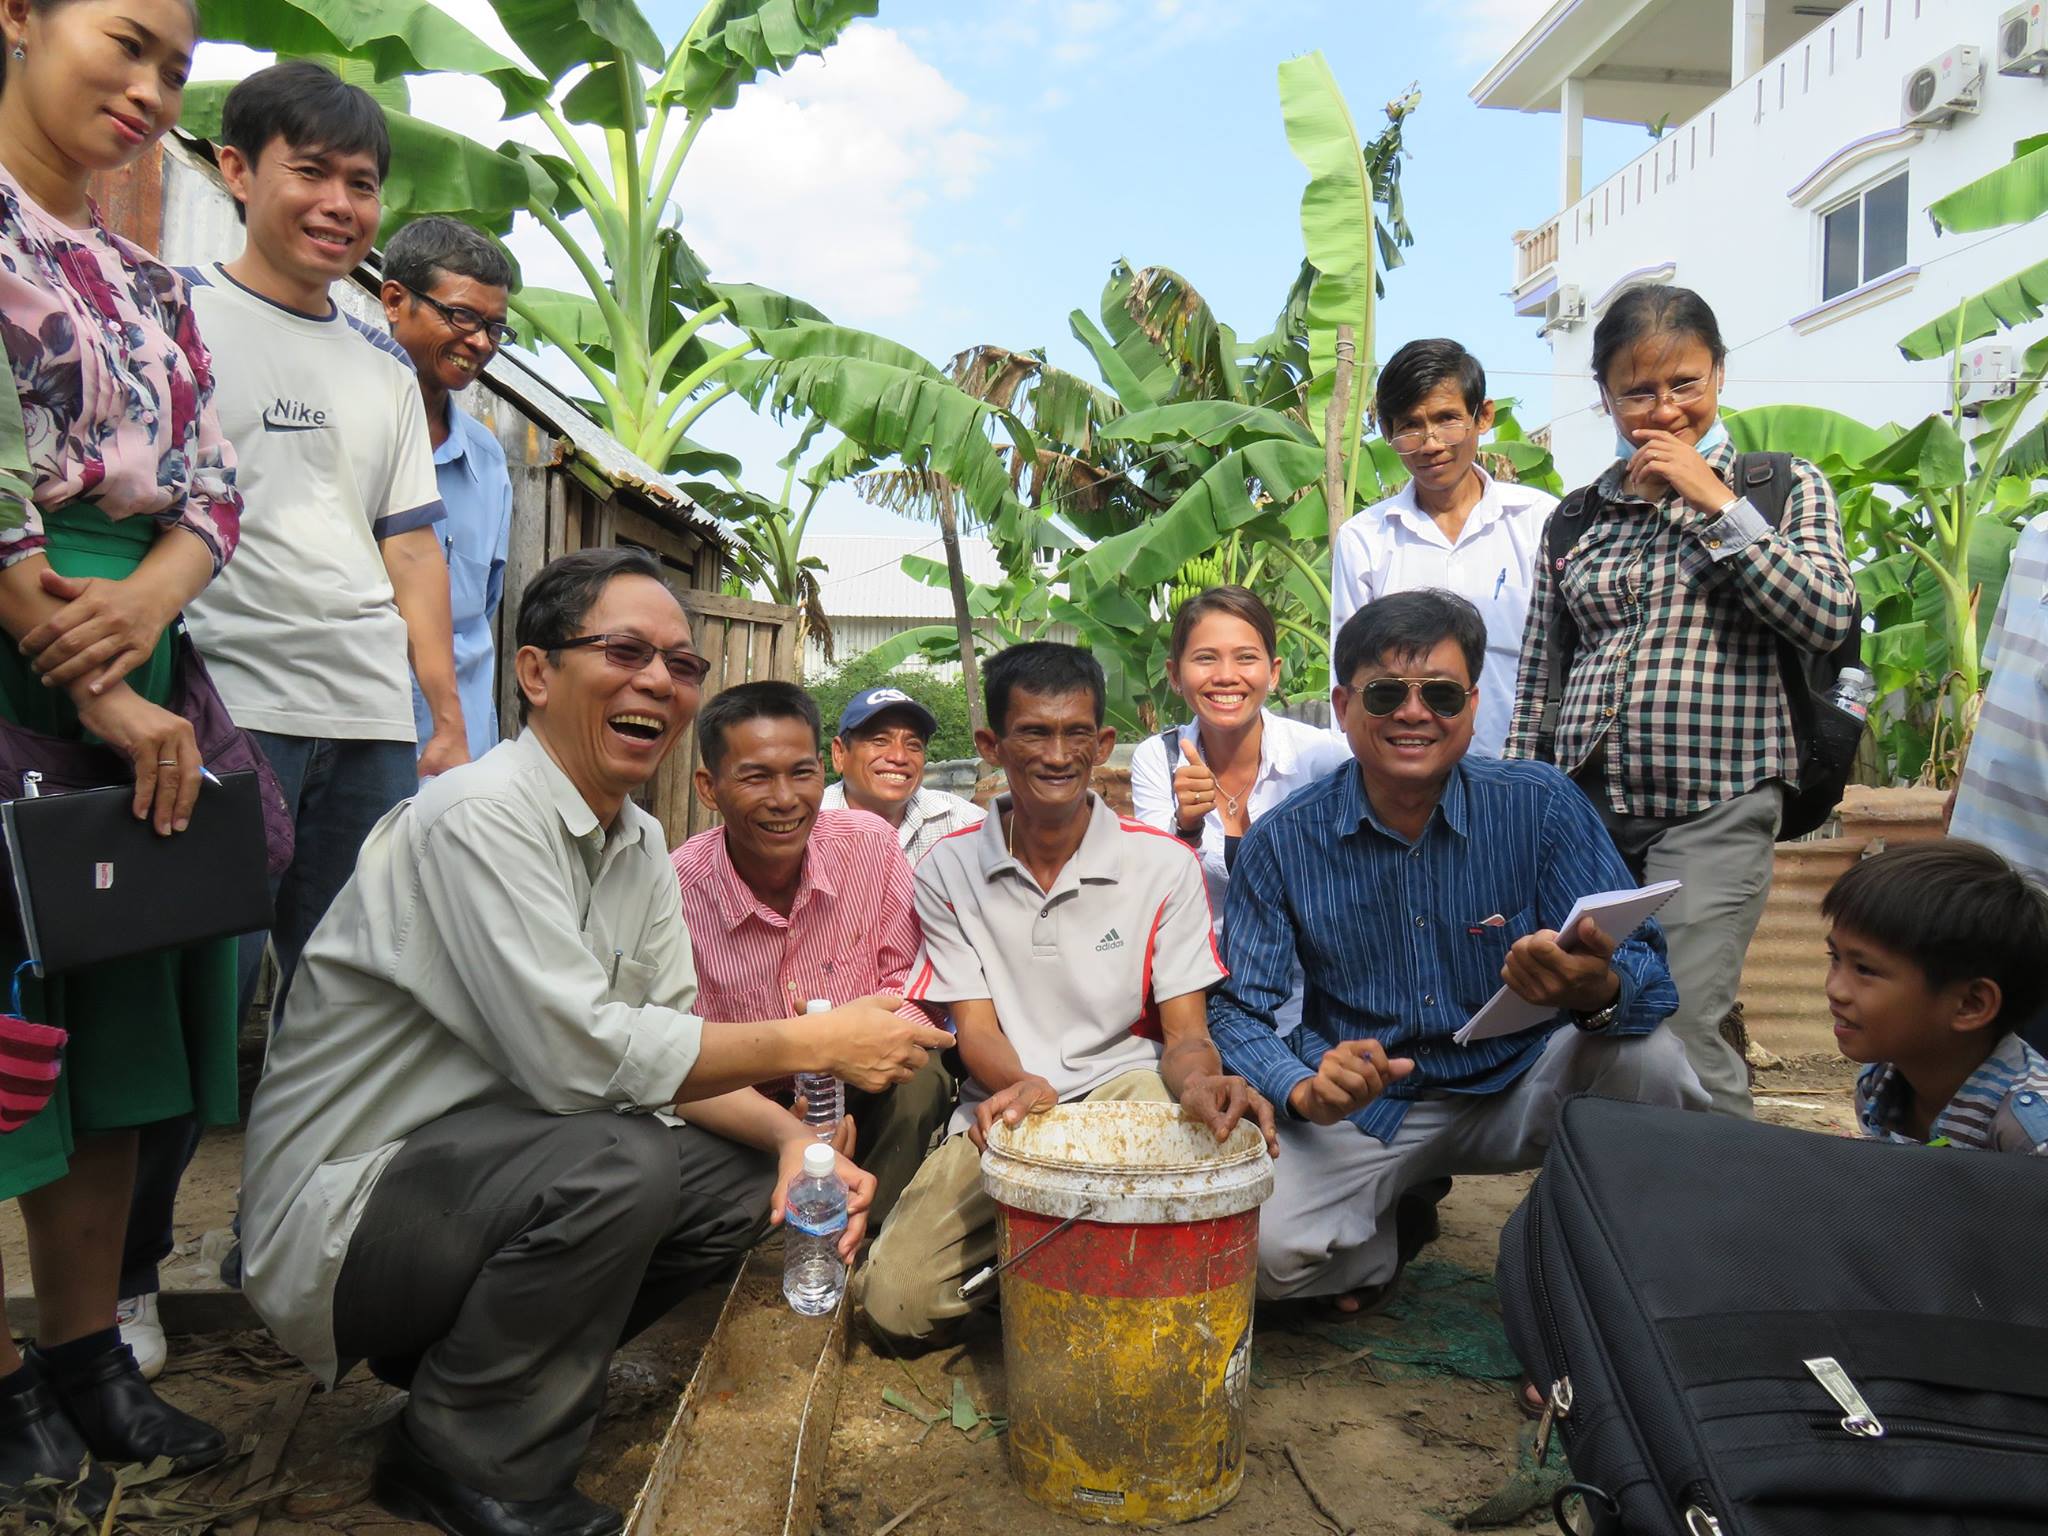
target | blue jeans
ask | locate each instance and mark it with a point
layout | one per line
(338, 791)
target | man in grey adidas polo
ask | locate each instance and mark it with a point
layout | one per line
(1072, 949)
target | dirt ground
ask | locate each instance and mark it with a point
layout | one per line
(1393, 1447)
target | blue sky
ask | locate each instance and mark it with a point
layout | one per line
(1042, 139)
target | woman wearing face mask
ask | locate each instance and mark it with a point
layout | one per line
(1673, 718)
(1207, 781)
(133, 511)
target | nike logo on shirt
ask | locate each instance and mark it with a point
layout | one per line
(283, 415)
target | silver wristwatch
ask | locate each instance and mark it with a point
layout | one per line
(1593, 1023)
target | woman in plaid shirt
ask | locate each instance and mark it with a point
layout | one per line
(1673, 718)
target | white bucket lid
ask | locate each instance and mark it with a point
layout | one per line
(1125, 1161)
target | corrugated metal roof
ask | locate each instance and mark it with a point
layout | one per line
(864, 577)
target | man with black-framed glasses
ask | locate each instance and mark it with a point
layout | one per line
(445, 289)
(497, 1134)
(1409, 885)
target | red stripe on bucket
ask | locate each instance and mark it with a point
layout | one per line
(1093, 1258)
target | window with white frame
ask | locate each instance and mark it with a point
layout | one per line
(1864, 238)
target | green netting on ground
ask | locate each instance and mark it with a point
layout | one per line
(1445, 1321)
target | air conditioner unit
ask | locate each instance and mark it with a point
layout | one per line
(1564, 310)
(1942, 87)
(1989, 373)
(2023, 39)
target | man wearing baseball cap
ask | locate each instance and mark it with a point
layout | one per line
(879, 755)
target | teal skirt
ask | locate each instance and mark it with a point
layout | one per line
(151, 1037)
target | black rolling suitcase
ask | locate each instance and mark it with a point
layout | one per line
(1752, 1331)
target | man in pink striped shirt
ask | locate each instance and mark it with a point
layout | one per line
(787, 902)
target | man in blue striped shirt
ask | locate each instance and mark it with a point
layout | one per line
(1410, 885)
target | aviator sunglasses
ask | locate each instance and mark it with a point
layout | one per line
(1383, 695)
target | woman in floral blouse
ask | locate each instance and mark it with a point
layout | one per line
(134, 510)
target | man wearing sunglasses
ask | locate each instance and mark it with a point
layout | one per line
(1410, 885)
(445, 290)
(460, 1166)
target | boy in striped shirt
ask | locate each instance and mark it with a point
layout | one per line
(1934, 956)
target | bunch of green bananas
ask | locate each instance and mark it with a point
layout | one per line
(1195, 577)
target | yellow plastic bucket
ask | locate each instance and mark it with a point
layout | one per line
(1127, 1336)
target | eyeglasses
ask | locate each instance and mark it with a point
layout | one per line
(1449, 433)
(1383, 695)
(464, 321)
(632, 653)
(1640, 402)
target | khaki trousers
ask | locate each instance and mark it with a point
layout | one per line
(1723, 854)
(942, 1231)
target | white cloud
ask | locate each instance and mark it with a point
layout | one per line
(1480, 31)
(814, 182)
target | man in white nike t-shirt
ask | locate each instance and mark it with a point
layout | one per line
(345, 580)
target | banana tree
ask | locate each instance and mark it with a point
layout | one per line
(651, 333)
(903, 423)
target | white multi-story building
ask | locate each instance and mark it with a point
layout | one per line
(1801, 144)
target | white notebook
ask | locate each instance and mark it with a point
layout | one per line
(1618, 913)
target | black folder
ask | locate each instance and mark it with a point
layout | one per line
(91, 882)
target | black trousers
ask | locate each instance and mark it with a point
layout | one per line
(506, 1252)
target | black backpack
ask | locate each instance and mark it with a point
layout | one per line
(1827, 736)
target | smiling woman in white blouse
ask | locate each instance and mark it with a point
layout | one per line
(1208, 780)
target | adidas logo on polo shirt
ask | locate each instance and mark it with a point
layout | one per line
(1110, 940)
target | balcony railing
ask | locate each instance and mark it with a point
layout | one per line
(1535, 252)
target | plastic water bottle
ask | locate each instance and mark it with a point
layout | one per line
(823, 1094)
(1854, 691)
(813, 1274)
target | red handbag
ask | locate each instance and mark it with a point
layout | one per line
(31, 1056)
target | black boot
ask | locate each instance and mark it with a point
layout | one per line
(38, 1441)
(413, 1488)
(121, 1419)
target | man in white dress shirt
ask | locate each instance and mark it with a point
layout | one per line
(1453, 526)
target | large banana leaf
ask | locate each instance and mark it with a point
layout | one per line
(733, 41)
(557, 35)
(395, 37)
(1239, 488)
(1158, 379)
(1213, 423)
(1132, 389)
(891, 409)
(812, 339)
(610, 95)
(2014, 193)
(572, 318)
(2020, 298)
(433, 170)
(1830, 440)
(762, 309)
(1337, 228)
(1180, 325)
(1929, 457)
